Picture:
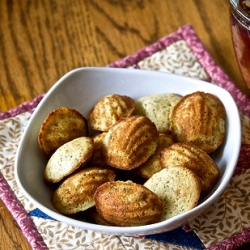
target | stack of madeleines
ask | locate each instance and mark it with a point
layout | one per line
(145, 160)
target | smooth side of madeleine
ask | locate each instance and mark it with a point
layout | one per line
(68, 158)
(157, 108)
(179, 189)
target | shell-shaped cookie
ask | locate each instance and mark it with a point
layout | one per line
(129, 204)
(97, 159)
(68, 158)
(191, 157)
(153, 164)
(109, 110)
(130, 142)
(178, 188)
(157, 108)
(60, 126)
(76, 193)
(199, 118)
(94, 215)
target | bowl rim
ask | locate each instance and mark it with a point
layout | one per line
(135, 230)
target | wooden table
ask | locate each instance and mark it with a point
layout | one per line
(42, 40)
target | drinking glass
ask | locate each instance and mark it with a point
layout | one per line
(240, 29)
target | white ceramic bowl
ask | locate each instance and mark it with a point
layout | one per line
(81, 89)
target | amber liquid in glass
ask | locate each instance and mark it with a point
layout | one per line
(241, 40)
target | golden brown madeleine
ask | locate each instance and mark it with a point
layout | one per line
(199, 118)
(153, 164)
(68, 158)
(189, 156)
(94, 215)
(97, 157)
(130, 142)
(60, 126)
(127, 204)
(109, 110)
(178, 188)
(157, 108)
(76, 193)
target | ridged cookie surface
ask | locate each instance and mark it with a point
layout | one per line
(60, 126)
(199, 118)
(189, 156)
(128, 204)
(157, 108)
(76, 193)
(109, 110)
(68, 158)
(178, 188)
(130, 142)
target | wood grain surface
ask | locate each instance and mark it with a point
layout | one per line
(40, 41)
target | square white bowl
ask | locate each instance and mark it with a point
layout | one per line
(81, 89)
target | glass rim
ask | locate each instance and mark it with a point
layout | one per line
(235, 6)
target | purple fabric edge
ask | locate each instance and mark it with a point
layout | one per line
(9, 198)
(188, 33)
(24, 107)
(218, 75)
(20, 215)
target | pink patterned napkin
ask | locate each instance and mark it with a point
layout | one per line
(225, 225)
